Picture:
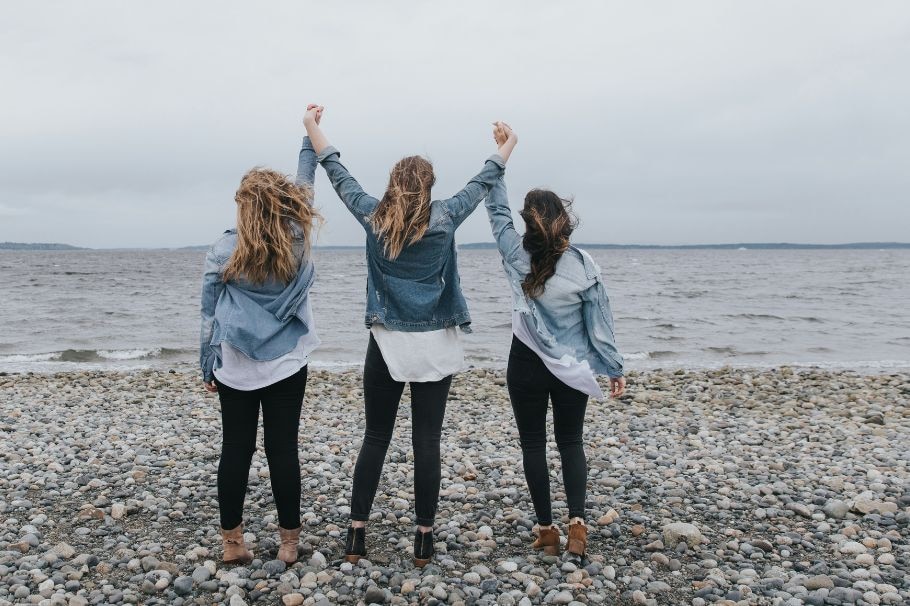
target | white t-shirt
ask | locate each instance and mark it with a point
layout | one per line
(419, 357)
(574, 373)
(243, 373)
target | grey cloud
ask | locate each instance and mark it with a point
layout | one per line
(131, 124)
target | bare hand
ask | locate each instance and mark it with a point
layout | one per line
(210, 386)
(502, 132)
(313, 113)
(617, 387)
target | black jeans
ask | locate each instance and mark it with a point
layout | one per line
(381, 395)
(531, 385)
(281, 403)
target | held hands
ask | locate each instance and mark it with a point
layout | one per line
(505, 138)
(617, 386)
(502, 132)
(313, 114)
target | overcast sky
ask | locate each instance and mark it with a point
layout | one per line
(130, 124)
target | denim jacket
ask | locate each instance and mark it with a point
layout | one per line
(573, 315)
(263, 321)
(420, 290)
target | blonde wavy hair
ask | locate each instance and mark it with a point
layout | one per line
(403, 215)
(269, 204)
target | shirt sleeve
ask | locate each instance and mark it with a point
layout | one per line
(306, 164)
(212, 286)
(599, 326)
(462, 204)
(357, 201)
(507, 239)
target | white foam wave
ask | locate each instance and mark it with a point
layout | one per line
(20, 358)
(127, 354)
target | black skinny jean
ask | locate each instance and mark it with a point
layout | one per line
(281, 403)
(531, 386)
(381, 394)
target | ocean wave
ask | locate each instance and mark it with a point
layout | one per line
(648, 355)
(94, 355)
(128, 354)
(749, 316)
(21, 358)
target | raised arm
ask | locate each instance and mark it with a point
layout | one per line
(306, 160)
(346, 186)
(462, 204)
(306, 164)
(507, 239)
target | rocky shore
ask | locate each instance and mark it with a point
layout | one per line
(722, 486)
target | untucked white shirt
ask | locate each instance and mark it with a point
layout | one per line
(574, 373)
(241, 372)
(419, 357)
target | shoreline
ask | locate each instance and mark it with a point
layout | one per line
(862, 368)
(797, 481)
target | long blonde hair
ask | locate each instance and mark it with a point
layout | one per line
(269, 204)
(403, 215)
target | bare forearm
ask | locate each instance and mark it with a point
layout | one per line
(505, 150)
(317, 137)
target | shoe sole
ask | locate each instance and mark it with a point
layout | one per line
(353, 559)
(419, 563)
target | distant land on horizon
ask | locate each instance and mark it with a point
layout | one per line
(53, 246)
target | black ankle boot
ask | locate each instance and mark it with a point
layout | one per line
(355, 547)
(423, 548)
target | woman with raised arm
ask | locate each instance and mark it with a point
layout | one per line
(413, 310)
(562, 334)
(257, 335)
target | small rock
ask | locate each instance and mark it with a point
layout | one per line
(681, 532)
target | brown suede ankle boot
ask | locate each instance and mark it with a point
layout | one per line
(548, 540)
(235, 552)
(290, 539)
(578, 539)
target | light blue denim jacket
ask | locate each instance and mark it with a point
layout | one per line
(420, 290)
(263, 321)
(573, 315)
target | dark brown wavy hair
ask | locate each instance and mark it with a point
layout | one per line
(403, 215)
(548, 224)
(268, 205)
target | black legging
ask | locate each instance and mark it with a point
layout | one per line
(281, 403)
(381, 395)
(531, 385)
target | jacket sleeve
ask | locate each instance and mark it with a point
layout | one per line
(360, 203)
(462, 204)
(306, 164)
(599, 326)
(507, 239)
(212, 287)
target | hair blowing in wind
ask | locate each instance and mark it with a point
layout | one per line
(269, 204)
(403, 215)
(549, 224)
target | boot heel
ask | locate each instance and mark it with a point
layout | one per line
(423, 548)
(355, 545)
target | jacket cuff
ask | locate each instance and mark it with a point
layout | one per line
(328, 151)
(307, 144)
(497, 160)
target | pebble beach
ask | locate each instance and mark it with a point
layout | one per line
(727, 486)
